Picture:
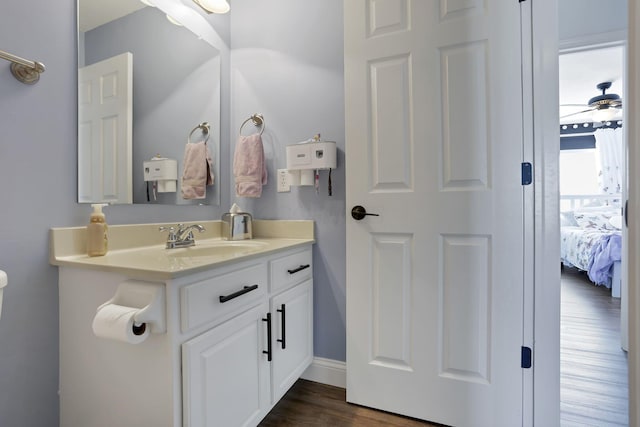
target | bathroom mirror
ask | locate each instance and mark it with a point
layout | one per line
(164, 81)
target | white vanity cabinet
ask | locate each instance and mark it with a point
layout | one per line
(234, 373)
(211, 367)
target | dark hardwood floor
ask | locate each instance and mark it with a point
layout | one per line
(593, 367)
(593, 377)
(309, 403)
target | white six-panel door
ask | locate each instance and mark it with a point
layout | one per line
(105, 130)
(434, 145)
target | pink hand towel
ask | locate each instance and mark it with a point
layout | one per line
(197, 171)
(249, 167)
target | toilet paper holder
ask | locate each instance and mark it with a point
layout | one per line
(146, 296)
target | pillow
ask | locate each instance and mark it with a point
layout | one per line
(594, 220)
(567, 219)
(616, 222)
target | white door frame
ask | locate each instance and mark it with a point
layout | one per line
(546, 387)
(546, 295)
(632, 124)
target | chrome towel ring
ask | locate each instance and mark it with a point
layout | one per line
(257, 120)
(206, 129)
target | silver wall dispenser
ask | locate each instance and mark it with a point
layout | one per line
(236, 225)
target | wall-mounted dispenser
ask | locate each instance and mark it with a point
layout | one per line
(306, 158)
(163, 171)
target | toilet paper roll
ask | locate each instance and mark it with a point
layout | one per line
(307, 177)
(116, 322)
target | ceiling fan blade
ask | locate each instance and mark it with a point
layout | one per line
(574, 105)
(579, 112)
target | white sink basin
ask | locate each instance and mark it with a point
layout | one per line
(218, 248)
(3, 283)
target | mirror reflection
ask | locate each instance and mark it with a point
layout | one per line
(145, 87)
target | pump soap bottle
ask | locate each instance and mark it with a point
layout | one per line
(97, 232)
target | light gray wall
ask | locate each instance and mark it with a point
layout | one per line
(37, 160)
(302, 86)
(580, 18)
(290, 69)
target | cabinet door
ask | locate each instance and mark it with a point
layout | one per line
(293, 337)
(226, 374)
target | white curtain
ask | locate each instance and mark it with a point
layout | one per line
(609, 152)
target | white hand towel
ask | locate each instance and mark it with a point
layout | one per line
(249, 167)
(197, 171)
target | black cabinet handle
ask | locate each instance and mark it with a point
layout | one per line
(283, 328)
(225, 298)
(302, 267)
(268, 350)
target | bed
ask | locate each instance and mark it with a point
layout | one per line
(590, 238)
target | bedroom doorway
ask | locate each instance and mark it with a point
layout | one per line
(593, 359)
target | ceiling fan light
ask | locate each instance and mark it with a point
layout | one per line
(214, 6)
(603, 114)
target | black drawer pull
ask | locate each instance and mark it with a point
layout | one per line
(225, 298)
(283, 328)
(302, 267)
(268, 351)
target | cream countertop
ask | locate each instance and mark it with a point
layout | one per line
(138, 250)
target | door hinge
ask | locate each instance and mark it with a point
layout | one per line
(525, 357)
(527, 173)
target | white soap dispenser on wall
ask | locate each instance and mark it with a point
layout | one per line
(306, 158)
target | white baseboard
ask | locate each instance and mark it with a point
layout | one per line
(327, 371)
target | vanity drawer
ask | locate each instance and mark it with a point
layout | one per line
(290, 269)
(216, 299)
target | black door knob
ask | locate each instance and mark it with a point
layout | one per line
(359, 212)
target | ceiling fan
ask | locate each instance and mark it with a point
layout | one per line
(603, 107)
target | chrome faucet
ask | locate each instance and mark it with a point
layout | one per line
(181, 236)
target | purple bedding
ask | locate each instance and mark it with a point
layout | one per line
(592, 250)
(605, 253)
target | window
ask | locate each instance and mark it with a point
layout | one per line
(578, 172)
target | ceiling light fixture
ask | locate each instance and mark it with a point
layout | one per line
(604, 114)
(213, 6)
(173, 20)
